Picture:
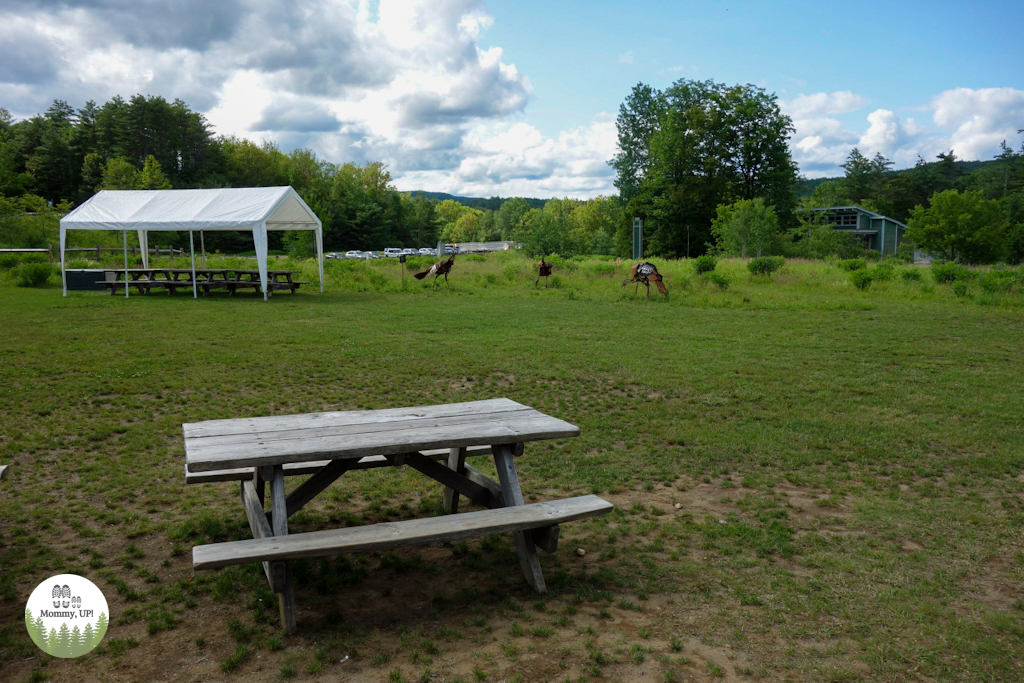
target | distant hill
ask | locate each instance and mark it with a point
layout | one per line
(492, 204)
(804, 187)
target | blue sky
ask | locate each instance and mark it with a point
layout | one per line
(507, 98)
(896, 54)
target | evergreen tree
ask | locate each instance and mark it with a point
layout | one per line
(63, 648)
(35, 632)
(52, 642)
(88, 637)
(77, 643)
(101, 627)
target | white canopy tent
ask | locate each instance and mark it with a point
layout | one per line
(258, 209)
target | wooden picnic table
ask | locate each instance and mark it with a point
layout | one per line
(434, 440)
(206, 279)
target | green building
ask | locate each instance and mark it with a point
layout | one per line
(875, 231)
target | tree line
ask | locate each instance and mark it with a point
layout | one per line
(706, 165)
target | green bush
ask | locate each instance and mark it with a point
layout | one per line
(960, 288)
(861, 279)
(564, 264)
(911, 275)
(34, 274)
(705, 264)
(996, 281)
(720, 280)
(873, 255)
(8, 261)
(765, 265)
(883, 272)
(904, 253)
(603, 268)
(948, 272)
(852, 264)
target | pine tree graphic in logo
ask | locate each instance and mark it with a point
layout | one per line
(77, 621)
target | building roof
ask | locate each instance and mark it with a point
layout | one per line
(860, 209)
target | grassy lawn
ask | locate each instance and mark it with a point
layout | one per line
(811, 482)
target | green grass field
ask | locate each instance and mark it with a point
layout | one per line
(848, 469)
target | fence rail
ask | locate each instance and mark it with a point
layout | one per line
(48, 252)
(97, 250)
(133, 250)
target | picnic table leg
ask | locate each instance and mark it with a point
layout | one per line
(279, 512)
(456, 462)
(513, 495)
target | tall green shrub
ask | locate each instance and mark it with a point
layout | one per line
(34, 274)
(766, 265)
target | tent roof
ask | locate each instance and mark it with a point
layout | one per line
(238, 208)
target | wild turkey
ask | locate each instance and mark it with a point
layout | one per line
(544, 269)
(438, 269)
(643, 273)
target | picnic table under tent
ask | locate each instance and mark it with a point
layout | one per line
(256, 209)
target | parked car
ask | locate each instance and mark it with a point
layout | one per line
(428, 252)
(392, 252)
(449, 249)
(372, 254)
(333, 255)
(410, 252)
(355, 253)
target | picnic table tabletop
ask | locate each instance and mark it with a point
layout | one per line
(200, 270)
(265, 441)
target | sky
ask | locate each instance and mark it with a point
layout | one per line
(520, 98)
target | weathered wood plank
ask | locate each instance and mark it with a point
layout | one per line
(258, 524)
(546, 538)
(505, 464)
(478, 477)
(391, 535)
(255, 436)
(293, 469)
(382, 443)
(476, 493)
(311, 488)
(456, 463)
(279, 524)
(345, 417)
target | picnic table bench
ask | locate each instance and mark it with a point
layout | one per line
(173, 279)
(434, 440)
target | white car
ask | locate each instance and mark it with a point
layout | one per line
(355, 253)
(428, 252)
(392, 252)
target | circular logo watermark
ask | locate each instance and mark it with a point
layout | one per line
(66, 615)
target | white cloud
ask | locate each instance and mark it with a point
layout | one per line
(979, 119)
(402, 81)
(970, 122)
(820, 104)
(627, 57)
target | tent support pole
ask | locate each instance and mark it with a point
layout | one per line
(125, 233)
(192, 251)
(63, 275)
(202, 246)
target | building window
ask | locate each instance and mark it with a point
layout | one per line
(846, 220)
